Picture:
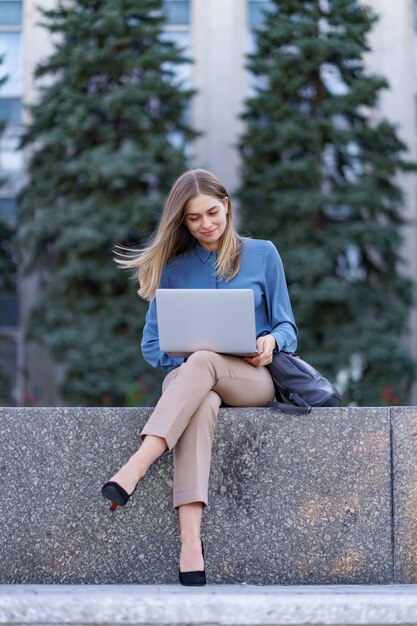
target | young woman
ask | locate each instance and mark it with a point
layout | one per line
(197, 246)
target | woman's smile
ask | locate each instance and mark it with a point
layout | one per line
(207, 233)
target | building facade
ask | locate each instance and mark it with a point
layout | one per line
(217, 34)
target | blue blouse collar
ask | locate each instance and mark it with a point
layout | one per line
(202, 253)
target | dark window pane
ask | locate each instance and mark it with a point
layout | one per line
(8, 310)
(10, 13)
(8, 369)
(256, 12)
(8, 210)
(10, 109)
(177, 12)
(11, 50)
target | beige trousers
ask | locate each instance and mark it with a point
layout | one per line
(186, 414)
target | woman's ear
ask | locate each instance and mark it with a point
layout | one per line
(226, 203)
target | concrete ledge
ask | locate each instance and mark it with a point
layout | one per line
(293, 499)
(223, 604)
(404, 448)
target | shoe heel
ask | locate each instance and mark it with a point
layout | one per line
(116, 494)
(194, 579)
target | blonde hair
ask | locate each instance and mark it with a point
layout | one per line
(172, 236)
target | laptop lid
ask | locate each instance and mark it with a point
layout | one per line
(220, 320)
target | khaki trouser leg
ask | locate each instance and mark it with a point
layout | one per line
(186, 413)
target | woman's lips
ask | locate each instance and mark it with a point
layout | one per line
(209, 232)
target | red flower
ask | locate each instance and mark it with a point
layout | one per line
(388, 396)
(106, 399)
(29, 399)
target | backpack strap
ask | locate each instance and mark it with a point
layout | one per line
(299, 401)
(286, 408)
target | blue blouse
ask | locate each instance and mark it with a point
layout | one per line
(261, 269)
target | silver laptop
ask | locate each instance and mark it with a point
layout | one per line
(220, 320)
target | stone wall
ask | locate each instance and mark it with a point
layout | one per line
(325, 498)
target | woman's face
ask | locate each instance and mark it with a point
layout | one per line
(205, 218)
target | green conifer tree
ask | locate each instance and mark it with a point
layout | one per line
(318, 178)
(7, 267)
(108, 137)
(7, 284)
(5, 274)
(7, 260)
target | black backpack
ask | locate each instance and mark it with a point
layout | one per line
(301, 384)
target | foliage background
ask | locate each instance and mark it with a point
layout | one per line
(7, 266)
(319, 179)
(108, 137)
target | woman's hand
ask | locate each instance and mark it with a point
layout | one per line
(265, 345)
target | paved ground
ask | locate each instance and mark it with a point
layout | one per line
(213, 604)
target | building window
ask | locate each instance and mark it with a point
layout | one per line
(183, 71)
(10, 13)
(177, 13)
(256, 12)
(11, 160)
(10, 50)
(10, 110)
(178, 30)
(11, 157)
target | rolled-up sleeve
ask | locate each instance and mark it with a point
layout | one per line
(280, 314)
(150, 341)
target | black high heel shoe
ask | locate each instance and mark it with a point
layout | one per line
(194, 579)
(116, 494)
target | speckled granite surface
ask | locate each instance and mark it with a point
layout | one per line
(404, 437)
(293, 499)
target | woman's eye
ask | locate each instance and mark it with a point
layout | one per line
(194, 219)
